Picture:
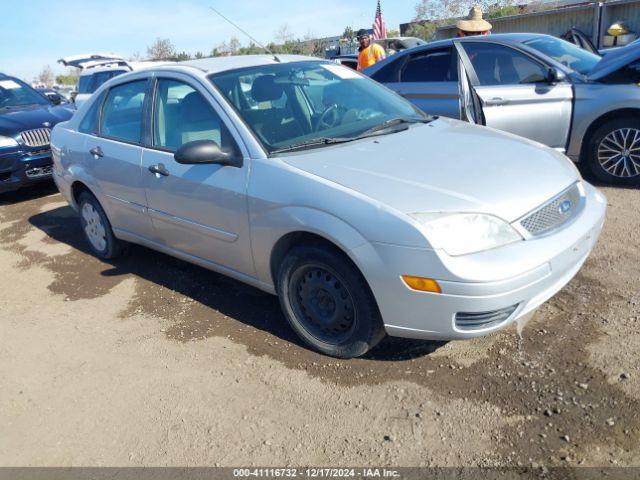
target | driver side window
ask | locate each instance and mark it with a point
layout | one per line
(182, 115)
(500, 65)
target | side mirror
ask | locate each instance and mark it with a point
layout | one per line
(55, 99)
(555, 76)
(206, 152)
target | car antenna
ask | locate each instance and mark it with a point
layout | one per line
(250, 37)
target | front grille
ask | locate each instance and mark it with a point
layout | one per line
(481, 320)
(40, 172)
(38, 137)
(554, 213)
(40, 151)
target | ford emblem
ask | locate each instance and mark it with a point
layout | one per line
(565, 207)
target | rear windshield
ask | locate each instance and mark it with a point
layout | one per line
(566, 53)
(90, 83)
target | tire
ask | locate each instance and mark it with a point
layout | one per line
(97, 229)
(621, 134)
(328, 303)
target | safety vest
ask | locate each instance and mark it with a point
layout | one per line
(370, 56)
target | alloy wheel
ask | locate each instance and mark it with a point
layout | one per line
(619, 153)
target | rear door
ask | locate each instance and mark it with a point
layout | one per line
(113, 153)
(200, 210)
(515, 93)
(429, 80)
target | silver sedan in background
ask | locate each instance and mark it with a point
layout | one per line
(313, 182)
(535, 86)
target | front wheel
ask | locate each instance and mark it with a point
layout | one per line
(328, 303)
(614, 152)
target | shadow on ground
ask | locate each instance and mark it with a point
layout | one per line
(198, 302)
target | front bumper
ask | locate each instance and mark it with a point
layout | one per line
(514, 279)
(22, 167)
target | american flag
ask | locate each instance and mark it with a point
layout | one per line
(379, 29)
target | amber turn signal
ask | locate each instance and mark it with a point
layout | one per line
(422, 284)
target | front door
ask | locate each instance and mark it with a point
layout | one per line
(113, 155)
(429, 80)
(516, 95)
(200, 210)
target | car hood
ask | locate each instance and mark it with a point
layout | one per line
(14, 121)
(446, 166)
(615, 60)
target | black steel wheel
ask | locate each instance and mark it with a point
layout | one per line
(328, 302)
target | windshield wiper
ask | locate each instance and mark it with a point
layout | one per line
(316, 142)
(385, 127)
(392, 122)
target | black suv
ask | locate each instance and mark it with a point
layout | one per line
(26, 120)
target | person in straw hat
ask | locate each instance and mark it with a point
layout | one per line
(474, 24)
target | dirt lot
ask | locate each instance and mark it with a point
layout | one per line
(151, 361)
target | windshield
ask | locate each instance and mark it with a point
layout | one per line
(14, 93)
(302, 102)
(565, 53)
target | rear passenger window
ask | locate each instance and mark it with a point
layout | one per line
(434, 66)
(122, 112)
(89, 123)
(182, 115)
(390, 72)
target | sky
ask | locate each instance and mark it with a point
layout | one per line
(36, 33)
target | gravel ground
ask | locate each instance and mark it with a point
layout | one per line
(151, 361)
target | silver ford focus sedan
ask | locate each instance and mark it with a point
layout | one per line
(308, 180)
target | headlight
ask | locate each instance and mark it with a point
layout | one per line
(464, 233)
(7, 142)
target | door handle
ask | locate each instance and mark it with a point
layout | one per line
(96, 152)
(496, 101)
(159, 169)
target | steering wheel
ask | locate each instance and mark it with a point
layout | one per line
(329, 119)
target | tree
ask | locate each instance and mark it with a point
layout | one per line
(199, 55)
(447, 10)
(348, 33)
(504, 11)
(393, 33)
(283, 35)
(252, 49)
(71, 77)
(161, 49)
(136, 57)
(234, 45)
(46, 77)
(182, 57)
(423, 30)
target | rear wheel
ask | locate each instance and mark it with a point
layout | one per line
(97, 229)
(614, 152)
(328, 302)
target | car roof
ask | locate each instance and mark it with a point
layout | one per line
(221, 64)
(510, 38)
